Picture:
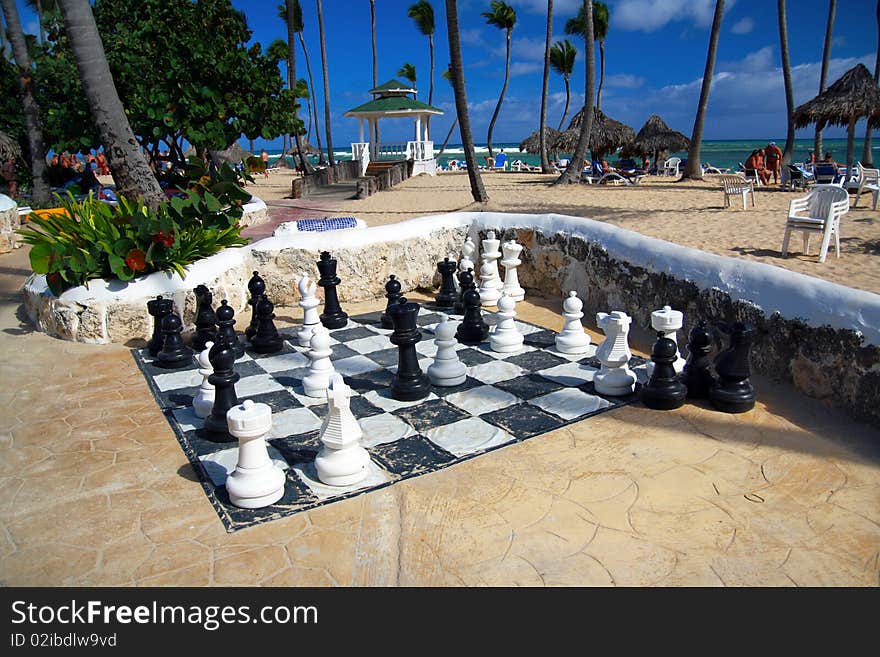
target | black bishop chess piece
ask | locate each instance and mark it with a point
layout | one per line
(333, 317)
(256, 287)
(174, 354)
(226, 329)
(733, 392)
(393, 294)
(409, 383)
(447, 296)
(473, 329)
(158, 308)
(206, 319)
(697, 374)
(465, 282)
(266, 340)
(224, 378)
(664, 391)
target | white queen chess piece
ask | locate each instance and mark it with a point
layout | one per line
(511, 261)
(203, 402)
(668, 322)
(490, 257)
(506, 336)
(489, 292)
(614, 378)
(321, 368)
(446, 370)
(309, 303)
(341, 461)
(572, 339)
(256, 481)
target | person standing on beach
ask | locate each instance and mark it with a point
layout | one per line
(265, 157)
(773, 156)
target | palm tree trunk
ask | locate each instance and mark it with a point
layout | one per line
(129, 167)
(826, 56)
(786, 77)
(545, 162)
(313, 96)
(28, 101)
(601, 74)
(326, 84)
(291, 84)
(39, 7)
(693, 170)
(375, 136)
(431, 81)
(867, 152)
(457, 69)
(500, 98)
(567, 99)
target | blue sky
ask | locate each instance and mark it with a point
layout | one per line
(655, 56)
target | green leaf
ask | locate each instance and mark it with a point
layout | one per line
(41, 258)
(123, 246)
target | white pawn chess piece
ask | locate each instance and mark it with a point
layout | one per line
(572, 339)
(668, 321)
(614, 378)
(256, 481)
(467, 255)
(490, 256)
(321, 368)
(506, 336)
(341, 461)
(309, 303)
(489, 292)
(203, 402)
(447, 369)
(511, 261)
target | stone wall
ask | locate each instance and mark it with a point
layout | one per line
(10, 221)
(385, 179)
(345, 171)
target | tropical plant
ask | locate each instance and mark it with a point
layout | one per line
(562, 56)
(823, 75)
(786, 77)
(326, 83)
(577, 25)
(867, 151)
(423, 14)
(502, 16)
(408, 73)
(545, 81)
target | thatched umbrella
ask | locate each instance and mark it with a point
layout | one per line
(234, 154)
(9, 147)
(532, 143)
(606, 136)
(656, 138)
(854, 96)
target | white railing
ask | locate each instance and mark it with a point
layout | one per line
(389, 151)
(360, 151)
(420, 150)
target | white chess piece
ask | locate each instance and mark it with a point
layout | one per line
(490, 256)
(506, 336)
(447, 369)
(455, 276)
(511, 261)
(614, 378)
(203, 402)
(321, 368)
(467, 255)
(256, 481)
(341, 461)
(309, 303)
(572, 339)
(489, 292)
(668, 321)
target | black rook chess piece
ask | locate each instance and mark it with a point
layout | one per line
(392, 293)
(733, 392)
(206, 319)
(266, 340)
(409, 383)
(158, 308)
(174, 353)
(332, 317)
(697, 375)
(472, 330)
(664, 391)
(447, 296)
(223, 379)
(226, 331)
(256, 286)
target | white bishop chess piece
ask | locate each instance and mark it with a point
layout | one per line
(446, 370)
(506, 336)
(256, 481)
(490, 257)
(203, 402)
(572, 339)
(341, 461)
(309, 303)
(668, 322)
(321, 368)
(614, 378)
(489, 292)
(511, 261)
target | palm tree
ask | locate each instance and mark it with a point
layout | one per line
(129, 167)
(447, 75)
(37, 6)
(693, 170)
(408, 72)
(503, 17)
(292, 17)
(298, 28)
(326, 83)
(575, 26)
(867, 153)
(457, 69)
(826, 55)
(545, 81)
(374, 137)
(786, 77)
(28, 101)
(423, 14)
(562, 56)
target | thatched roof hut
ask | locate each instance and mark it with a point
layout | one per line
(532, 143)
(234, 154)
(9, 147)
(606, 136)
(656, 137)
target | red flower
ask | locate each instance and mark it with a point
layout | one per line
(136, 260)
(53, 278)
(163, 238)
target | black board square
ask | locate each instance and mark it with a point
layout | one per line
(250, 367)
(431, 414)
(470, 357)
(290, 378)
(443, 391)
(540, 339)
(296, 495)
(410, 456)
(385, 357)
(358, 405)
(349, 334)
(373, 380)
(528, 386)
(373, 319)
(279, 400)
(300, 448)
(427, 318)
(340, 351)
(523, 420)
(202, 444)
(534, 361)
(590, 389)
(285, 349)
(177, 398)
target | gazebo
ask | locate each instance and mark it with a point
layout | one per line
(391, 100)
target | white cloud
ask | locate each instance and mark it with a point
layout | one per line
(530, 48)
(838, 41)
(763, 59)
(743, 26)
(540, 6)
(525, 68)
(652, 15)
(472, 36)
(624, 81)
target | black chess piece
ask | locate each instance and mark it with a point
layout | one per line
(465, 282)
(266, 340)
(664, 391)
(174, 354)
(393, 294)
(733, 392)
(409, 383)
(226, 330)
(256, 287)
(158, 308)
(697, 375)
(472, 330)
(206, 319)
(447, 295)
(224, 378)
(332, 317)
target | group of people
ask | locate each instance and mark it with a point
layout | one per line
(766, 162)
(67, 167)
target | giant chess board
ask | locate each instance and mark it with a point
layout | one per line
(507, 398)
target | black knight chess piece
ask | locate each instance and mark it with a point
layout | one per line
(393, 294)
(226, 329)
(447, 295)
(473, 329)
(206, 319)
(697, 374)
(409, 383)
(223, 379)
(333, 317)
(266, 340)
(158, 308)
(174, 354)
(256, 287)
(733, 392)
(664, 391)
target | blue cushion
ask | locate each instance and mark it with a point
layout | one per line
(334, 223)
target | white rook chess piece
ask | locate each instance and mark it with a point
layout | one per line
(203, 402)
(668, 321)
(489, 292)
(506, 337)
(467, 255)
(309, 303)
(614, 378)
(490, 256)
(572, 339)
(341, 461)
(321, 368)
(256, 481)
(511, 261)
(447, 369)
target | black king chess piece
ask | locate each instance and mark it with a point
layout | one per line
(226, 331)
(409, 383)
(174, 353)
(733, 392)
(158, 308)
(472, 330)
(332, 317)
(393, 294)
(222, 357)
(664, 391)
(206, 319)
(266, 340)
(447, 295)
(697, 375)
(256, 287)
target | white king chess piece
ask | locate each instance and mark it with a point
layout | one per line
(572, 339)
(614, 378)
(489, 292)
(309, 303)
(506, 336)
(668, 322)
(256, 481)
(203, 402)
(490, 257)
(511, 261)
(341, 461)
(321, 368)
(446, 370)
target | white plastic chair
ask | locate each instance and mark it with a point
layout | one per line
(737, 186)
(817, 212)
(670, 167)
(868, 181)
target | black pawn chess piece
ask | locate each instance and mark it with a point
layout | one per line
(472, 330)
(174, 354)
(223, 379)
(447, 295)
(733, 392)
(158, 308)
(226, 329)
(266, 340)
(697, 375)
(465, 282)
(332, 317)
(206, 319)
(256, 287)
(393, 294)
(664, 391)
(409, 383)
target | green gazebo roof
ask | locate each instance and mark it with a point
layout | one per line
(393, 105)
(394, 86)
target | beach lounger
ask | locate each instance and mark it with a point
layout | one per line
(868, 181)
(817, 212)
(737, 186)
(826, 174)
(615, 178)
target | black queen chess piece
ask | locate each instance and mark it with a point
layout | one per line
(159, 308)
(733, 392)
(256, 288)
(333, 317)
(226, 329)
(664, 391)
(224, 378)
(206, 319)
(393, 294)
(174, 354)
(473, 329)
(409, 383)
(266, 340)
(447, 296)
(697, 374)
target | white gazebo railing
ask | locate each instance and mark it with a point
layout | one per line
(420, 150)
(391, 150)
(360, 152)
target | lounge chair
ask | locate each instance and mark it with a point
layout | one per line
(708, 168)
(868, 181)
(500, 163)
(826, 174)
(737, 186)
(794, 177)
(616, 178)
(817, 212)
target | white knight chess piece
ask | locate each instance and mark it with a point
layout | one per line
(614, 378)
(341, 461)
